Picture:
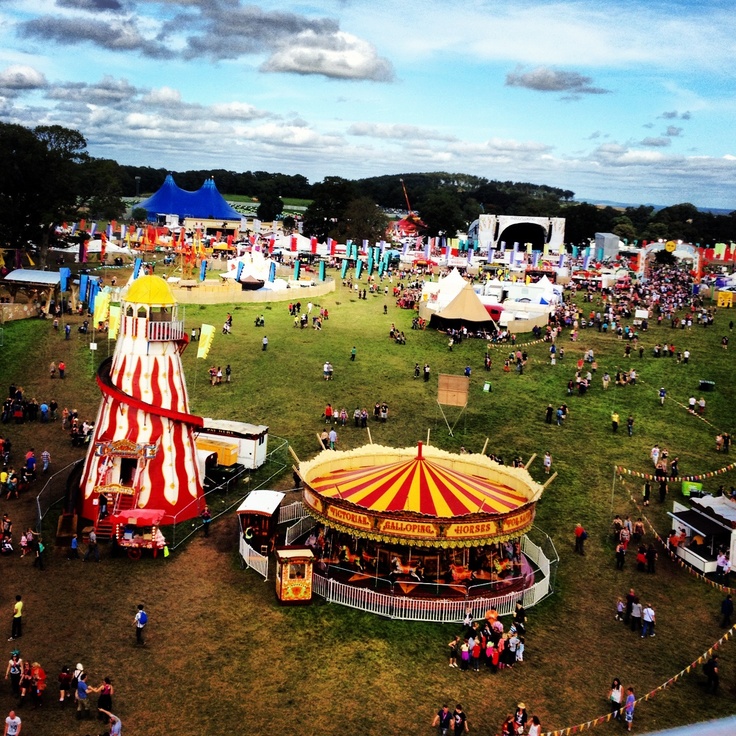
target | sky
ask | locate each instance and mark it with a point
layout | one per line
(619, 100)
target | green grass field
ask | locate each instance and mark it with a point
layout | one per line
(222, 657)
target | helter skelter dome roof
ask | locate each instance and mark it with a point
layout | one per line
(419, 495)
(151, 290)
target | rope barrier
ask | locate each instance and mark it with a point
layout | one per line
(672, 680)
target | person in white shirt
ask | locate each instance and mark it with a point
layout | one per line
(13, 725)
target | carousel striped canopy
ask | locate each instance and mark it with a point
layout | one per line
(420, 486)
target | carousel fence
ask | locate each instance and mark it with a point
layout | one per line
(254, 560)
(299, 529)
(293, 511)
(392, 604)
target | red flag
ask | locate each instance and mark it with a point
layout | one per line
(229, 240)
(331, 246)
(219, 235)
(82, 224)
(271, 243)
(313, 244)
(114, 224)
(293, 243)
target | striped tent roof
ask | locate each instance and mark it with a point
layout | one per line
(419, 485)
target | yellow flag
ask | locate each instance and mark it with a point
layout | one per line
(114, 324)
(206, 336)
(102, 307)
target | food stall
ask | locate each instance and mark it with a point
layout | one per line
(138, 529)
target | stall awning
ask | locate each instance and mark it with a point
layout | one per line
(699, 523)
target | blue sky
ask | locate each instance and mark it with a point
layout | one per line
(627, 101)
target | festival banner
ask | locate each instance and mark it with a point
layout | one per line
(113, 324)
(350, 518)
(206, 336)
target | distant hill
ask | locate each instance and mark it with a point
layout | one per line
(657, 207)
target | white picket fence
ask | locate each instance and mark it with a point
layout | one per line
(439, 610)
(254, 560)
(299, 529)
(293, 511)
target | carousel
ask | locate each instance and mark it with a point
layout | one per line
(420, 521)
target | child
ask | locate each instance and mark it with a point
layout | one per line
(620, 608)
(23, 545)
(520, 650)
(453, 651)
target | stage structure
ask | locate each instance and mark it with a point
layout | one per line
(452, 391)
(491, 228)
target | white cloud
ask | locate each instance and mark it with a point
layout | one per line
(341, 56)
(398, 132)
(20, 78)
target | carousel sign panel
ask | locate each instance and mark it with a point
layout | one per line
(350, 518)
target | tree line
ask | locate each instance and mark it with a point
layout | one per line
(47, 177)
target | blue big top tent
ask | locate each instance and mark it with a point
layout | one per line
(206, 203)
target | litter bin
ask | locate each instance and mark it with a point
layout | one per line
(707, 386)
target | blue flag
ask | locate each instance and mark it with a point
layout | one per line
(64, 276)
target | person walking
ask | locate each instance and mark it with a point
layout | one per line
(710, 669)
(442, 720)
(62, 369)
(648, 618)
(580, 536)
(264, 344)
(13, 725)
(547, 462)
(620, 555)
(353, 353)
(629, 708)
(206, 520)
(426, 372)
(228, 373)
(17, 625)
(614, 421)
(82, 697)
(92, 548)
(630, 424)
(726, 611)
(140, 621)
(459, 720)
(616, 697)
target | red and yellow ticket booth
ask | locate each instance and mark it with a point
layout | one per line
(294, 574)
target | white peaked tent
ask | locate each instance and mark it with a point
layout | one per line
(436, 295)
(465, 307)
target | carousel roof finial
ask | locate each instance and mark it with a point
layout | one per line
(419, 450)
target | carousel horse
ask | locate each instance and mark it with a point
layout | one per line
(348, 557)
(399, 568)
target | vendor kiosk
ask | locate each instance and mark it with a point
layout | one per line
(294, 574)
(138, 529)
(258, 518)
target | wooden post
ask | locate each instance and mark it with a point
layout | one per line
(319, 440)
(428, 431)
(370, 439)
(530, 461)
(485, 445)
(294, 455)
(550, 479)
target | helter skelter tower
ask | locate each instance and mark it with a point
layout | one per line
(142, 454)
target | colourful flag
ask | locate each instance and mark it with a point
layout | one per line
(206, 336)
